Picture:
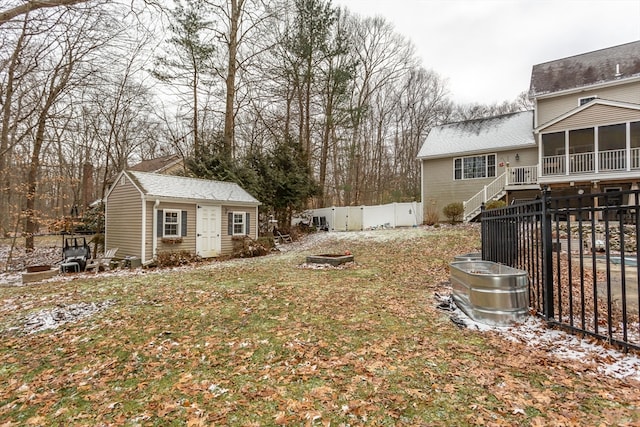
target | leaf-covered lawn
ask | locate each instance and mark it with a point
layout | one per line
(265, 342)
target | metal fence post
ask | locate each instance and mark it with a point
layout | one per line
(547, 256)
(484, 233)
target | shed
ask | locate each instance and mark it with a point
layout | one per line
(148, 213)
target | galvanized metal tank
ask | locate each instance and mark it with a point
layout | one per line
(473, 256)
(490, 293)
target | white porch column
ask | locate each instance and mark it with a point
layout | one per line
(567, 163)
(628, 146)
(596, 149)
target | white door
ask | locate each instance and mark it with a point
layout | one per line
(208, 240)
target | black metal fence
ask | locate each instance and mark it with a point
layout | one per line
(581, 255)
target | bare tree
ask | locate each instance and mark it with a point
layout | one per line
(464, 112)
(27, 6)
(384, 57)
(239, 29)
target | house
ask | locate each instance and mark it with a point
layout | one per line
(148, 213)
(586, 128)
(170, 164)
(459, 158)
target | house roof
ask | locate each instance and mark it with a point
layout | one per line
(158, 164)
(600, 66)
(587, 106)
(179, 187)
(497, 133)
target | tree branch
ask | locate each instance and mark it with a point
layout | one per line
(8, 15)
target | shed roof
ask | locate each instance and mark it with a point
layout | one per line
(481, 135)
(179, 187)
(600, 66)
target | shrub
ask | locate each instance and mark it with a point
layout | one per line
(267, 241)
(431, 217)
(453, 212)
(246, 247)
(175, 259)
(495, 204)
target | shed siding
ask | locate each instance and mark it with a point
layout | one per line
(124, 219)
(549, 109)
(598, 115)
(148, 245)
(440, 189)
(189, 241)
(227, 242)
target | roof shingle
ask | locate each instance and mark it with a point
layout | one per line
(600, 66)
(473, 136)
(179, 187)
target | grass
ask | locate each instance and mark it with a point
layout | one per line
(264, 342)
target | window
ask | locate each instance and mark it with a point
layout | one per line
(471, 167)
(238, 223)
(172, 225)
(582, 101)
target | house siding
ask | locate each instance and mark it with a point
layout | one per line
(440, 189)
(124, 219)
(597, 115)
(175, 169)
(550, 108)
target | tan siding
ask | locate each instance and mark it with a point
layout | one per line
(549, 109)
(189, 241)
(598, 115)
(148, 247)
(227, 243)
(440, 189)
(124, 220)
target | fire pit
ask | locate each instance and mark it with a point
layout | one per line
(331, 259)
(37, 273)
(38, 268)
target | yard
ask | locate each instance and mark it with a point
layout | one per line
(271, 341)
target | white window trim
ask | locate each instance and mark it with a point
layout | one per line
(495, 166)
(586, 99)
(178, 223)
(243, 215)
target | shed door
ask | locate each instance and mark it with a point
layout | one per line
(208, 240)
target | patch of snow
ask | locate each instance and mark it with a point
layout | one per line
(534, 333)
(52, 318)
(316, 266)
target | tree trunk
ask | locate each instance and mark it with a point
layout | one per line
(229, 113)
(196, 132)
(31, 226)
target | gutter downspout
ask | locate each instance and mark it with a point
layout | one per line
(154, 240)
(144, 229)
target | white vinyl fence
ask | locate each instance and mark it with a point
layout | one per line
(354, 218)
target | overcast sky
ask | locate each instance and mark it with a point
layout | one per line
(486, 48)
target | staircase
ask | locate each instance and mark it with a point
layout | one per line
(493, 191)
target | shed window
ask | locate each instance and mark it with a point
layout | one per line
(172, 224)
(470, 167)
(239, 223)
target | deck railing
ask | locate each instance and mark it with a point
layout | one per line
(581, 163)
(522, 175)
(488, 192)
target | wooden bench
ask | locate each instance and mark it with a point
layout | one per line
(103, 261)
